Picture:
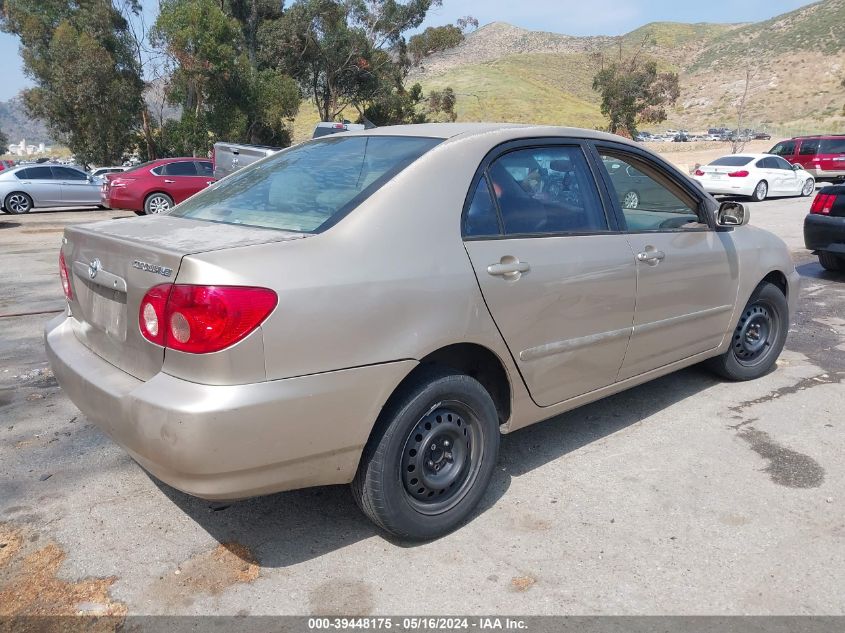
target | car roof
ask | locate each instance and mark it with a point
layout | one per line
(748, 155)
(508, 130)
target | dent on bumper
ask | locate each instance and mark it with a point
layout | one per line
(228, 442)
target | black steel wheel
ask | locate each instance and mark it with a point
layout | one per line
(758, 338)
(431, 455)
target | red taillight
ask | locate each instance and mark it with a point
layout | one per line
(738, 174)
(698, 172)
(203, 319)
(823, 203)
(65, 277)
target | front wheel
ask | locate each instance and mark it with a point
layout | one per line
(760, 191)
(18, 202)
(809, 187)
(431, 456)
(758, 338)
(157, 203)
(831, 262)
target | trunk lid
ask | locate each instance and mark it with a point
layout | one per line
(113, 264)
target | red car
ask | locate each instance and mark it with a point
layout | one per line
(823, 155)
(156, 186)
(6, 164)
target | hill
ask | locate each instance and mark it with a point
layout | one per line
(17, 124)
(505, 73)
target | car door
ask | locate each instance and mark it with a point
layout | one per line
(180, 180)
(791, 182)
(40, 184)
(558, 277)
(767, 170)
(687, 272)
(77, 189)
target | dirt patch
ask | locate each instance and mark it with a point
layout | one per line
(786, 467)
(523, 583)
(30, 586)
(210, 572)
(11, 541)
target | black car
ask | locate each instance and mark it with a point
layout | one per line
(824, 227)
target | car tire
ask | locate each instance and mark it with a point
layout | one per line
(140, 213)
(809, 188)
(157, 203)
(439, 420)
(17, 203)
(831, 262)
(631, 200)
(758, 338)
(761, 190)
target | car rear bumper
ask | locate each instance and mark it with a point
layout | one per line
(824, 233)
(119, 198)
(228, 442)
(822, 174)
(727, 187)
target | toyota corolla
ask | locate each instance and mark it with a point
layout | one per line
(378, 307)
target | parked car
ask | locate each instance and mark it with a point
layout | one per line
(681, 137)
(99, 172)
(824, 227)
(822, 156)
(762, 136)
(154, 187)
(378, 308)
(28, 187)
(329, 128)
(6, 164)
(756, 176)
(228, 158)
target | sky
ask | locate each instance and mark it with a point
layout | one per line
(572, 17)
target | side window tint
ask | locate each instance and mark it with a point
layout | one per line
(181, 168)
(809, 147)
(781, 163)
(39, 173)
(547, 190)
(481, 218)
(204, 168)
(650, 201)
(22, 174)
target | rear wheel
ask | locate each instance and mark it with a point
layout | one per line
(758, 338)
(760, 191)
(157, 203)
(829, 261)
(17, 202)
(809, 187)
(431, 456)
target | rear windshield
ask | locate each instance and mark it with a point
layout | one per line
(307, 188)
(732, 161)
(832, 146)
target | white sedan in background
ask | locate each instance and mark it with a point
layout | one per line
(756, 176)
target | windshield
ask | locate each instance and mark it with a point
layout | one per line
(307, 188)
(732, 161)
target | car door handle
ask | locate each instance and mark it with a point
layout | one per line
(650, 256)
(169, 182)
(209, 182)
(509, 268)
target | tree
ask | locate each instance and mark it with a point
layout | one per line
(466, 23)
(634, 92)
(88, 84)
(739, 138)
(4, 142)
(434, 40)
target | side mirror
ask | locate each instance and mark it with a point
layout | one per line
(797, 167)
(733, 214)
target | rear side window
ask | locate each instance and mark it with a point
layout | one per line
(546, 190)
(309, 187)
(732, 161)
(832, 146)
(181, 168)
(809, 147)
(787, 148)
(481, 217)
(37, 173)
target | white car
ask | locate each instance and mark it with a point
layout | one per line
(756, 176)
(99, 172)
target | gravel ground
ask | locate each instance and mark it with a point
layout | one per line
(686, 495)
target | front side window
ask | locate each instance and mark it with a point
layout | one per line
(809, 147)
(309, 187)
(780, 163)
(66, 173)
(649, 199)
(546, 190)
(787, 148)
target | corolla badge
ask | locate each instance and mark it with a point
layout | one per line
(152, 268)
(94, 267)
